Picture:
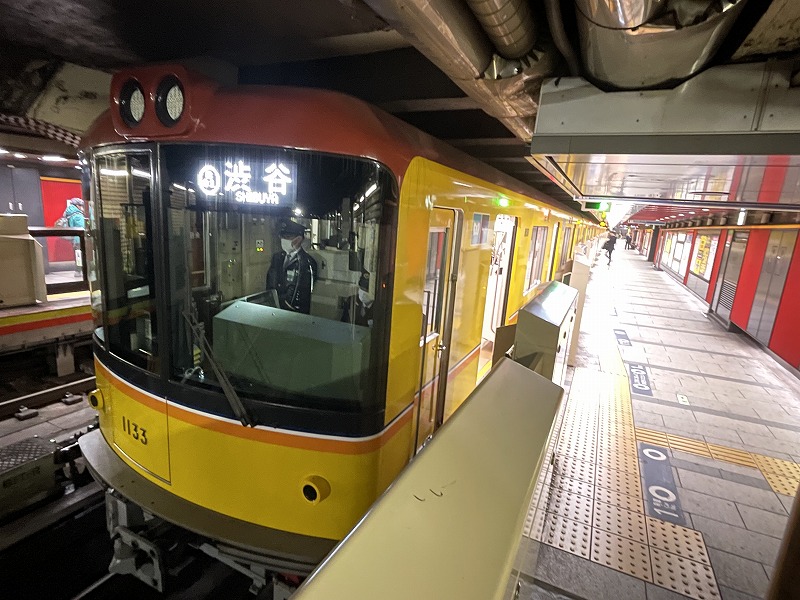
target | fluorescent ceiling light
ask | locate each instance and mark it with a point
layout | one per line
(114, 172)
(20, 155)
(371, 190)
(52, 158)
(3, 151)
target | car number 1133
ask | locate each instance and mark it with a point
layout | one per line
(133, 430)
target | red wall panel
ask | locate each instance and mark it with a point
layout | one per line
(785, 340)
(774, 177)
(55, 193)
(748, 278)
(723, 237)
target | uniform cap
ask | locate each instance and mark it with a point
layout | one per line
(289, 228)
(363, 281)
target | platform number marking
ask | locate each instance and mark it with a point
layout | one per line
(622, 337)
(661, 493)
(639, 380)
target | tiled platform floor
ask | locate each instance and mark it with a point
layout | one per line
(726, 415)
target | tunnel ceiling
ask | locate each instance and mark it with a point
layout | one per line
(56, 57)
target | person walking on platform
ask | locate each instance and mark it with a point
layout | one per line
(628, 244)
(611, 242)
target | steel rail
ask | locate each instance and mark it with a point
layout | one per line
(45, 397)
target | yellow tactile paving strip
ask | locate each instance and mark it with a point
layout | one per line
(783, 476)
(591, 503)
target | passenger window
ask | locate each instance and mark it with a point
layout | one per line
(126, 224)
(565, 244)
(434, 282)
(536, 257)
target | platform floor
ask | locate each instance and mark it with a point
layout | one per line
(677, 459)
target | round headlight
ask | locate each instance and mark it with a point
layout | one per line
(131, 103)
(169, 100)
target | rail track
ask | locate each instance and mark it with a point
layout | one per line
(45, 397)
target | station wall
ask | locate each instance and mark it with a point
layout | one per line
(766, 291)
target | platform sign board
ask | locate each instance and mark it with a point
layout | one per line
(660, 492)
(622, 337)
(639, 380)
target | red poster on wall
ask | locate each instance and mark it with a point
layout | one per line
(56, 194)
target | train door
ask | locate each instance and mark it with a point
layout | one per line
(494, 312)
(441, 270)
(770, 284)
(731, 268)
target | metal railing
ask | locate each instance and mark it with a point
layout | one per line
(56, 279)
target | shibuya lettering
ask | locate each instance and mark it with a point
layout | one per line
(238, 178)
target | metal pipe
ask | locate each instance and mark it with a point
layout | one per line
(508, 23)
(556, 23)
(639, 44)
(449, 35)
(621, 14)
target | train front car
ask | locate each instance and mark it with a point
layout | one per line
(241, 300)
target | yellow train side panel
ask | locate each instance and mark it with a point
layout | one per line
(428, 184)
(257, 474)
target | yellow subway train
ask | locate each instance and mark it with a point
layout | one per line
(291, 291)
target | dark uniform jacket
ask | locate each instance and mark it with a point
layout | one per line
(357, 313)
(293, 279)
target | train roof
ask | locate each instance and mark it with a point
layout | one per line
(303, 118)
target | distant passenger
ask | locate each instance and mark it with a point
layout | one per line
(292, 271)
(628, 244)
(611, 242)
(73, 217)
(358, 308)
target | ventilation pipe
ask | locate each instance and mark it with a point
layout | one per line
(450, 36)
(508, 23)
(637, 44)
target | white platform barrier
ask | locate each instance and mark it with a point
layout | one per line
(451, 525)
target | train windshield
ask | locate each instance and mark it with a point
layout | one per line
(278, 269)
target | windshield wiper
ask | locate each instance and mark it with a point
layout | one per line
(235, 402)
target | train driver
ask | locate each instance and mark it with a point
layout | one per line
(292, 270)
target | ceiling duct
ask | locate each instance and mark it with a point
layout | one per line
(451, 37)
(508, 23)
(635, 44)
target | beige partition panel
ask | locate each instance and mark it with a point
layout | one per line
(452, 523)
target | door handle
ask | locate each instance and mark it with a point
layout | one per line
(440, 347)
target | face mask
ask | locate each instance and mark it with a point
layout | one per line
(287, 246)
(364, 297)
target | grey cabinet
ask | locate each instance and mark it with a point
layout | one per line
(544, 330)
(21, 193)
